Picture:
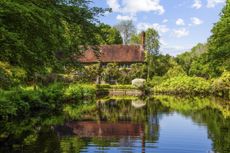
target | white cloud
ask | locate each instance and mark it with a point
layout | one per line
(196, 21)
(213, 3)
(135, 6)
(125, 17)
(159, 27)
(182, 32)
(180, 22)
(113, 4)
(197, 4)
(165, 21)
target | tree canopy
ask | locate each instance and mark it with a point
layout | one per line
(218, 44)
(216, 58)
(109, 35)
(35, 34)
(152, 41)
(186, 59)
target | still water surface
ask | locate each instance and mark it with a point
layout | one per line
(162, 124)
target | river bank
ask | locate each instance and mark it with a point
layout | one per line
(24, 101)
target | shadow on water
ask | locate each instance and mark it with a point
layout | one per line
(156, 124)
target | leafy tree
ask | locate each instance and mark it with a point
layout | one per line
(109, 35)
(37, 34)
(135, 39)
(126, 29)
(157, 64)
(152, 41)
(161, 65)
(217, 59)
(218, 43)
(211, 59)
(152, 45)
(186, 59)
(200, 67)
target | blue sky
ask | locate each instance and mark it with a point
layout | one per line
(181, 23)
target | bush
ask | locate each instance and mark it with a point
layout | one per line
(78, 91)
(156, 80)
(175, 71)
(52, 95)
(88, 73)
(184, 85)
(10, 76)
(7, 107)
(22, 101)
(221, 85)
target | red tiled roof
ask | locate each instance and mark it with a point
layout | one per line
(115, 53)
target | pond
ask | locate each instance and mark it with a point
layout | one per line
(162, 124)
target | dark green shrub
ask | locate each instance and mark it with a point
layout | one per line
(24, 101)
(7, 107)
(10, 75)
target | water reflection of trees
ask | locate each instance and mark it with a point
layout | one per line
(124, 110)
(130, 112)
(212, 112)
(40, 134)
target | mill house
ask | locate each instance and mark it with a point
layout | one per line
(123, 55)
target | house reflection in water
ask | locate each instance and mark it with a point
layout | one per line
(105, 129)
(123, 122)
(124, 132)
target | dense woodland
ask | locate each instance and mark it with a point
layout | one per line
(38, 39)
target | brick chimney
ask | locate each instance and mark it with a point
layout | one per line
(143, 39)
